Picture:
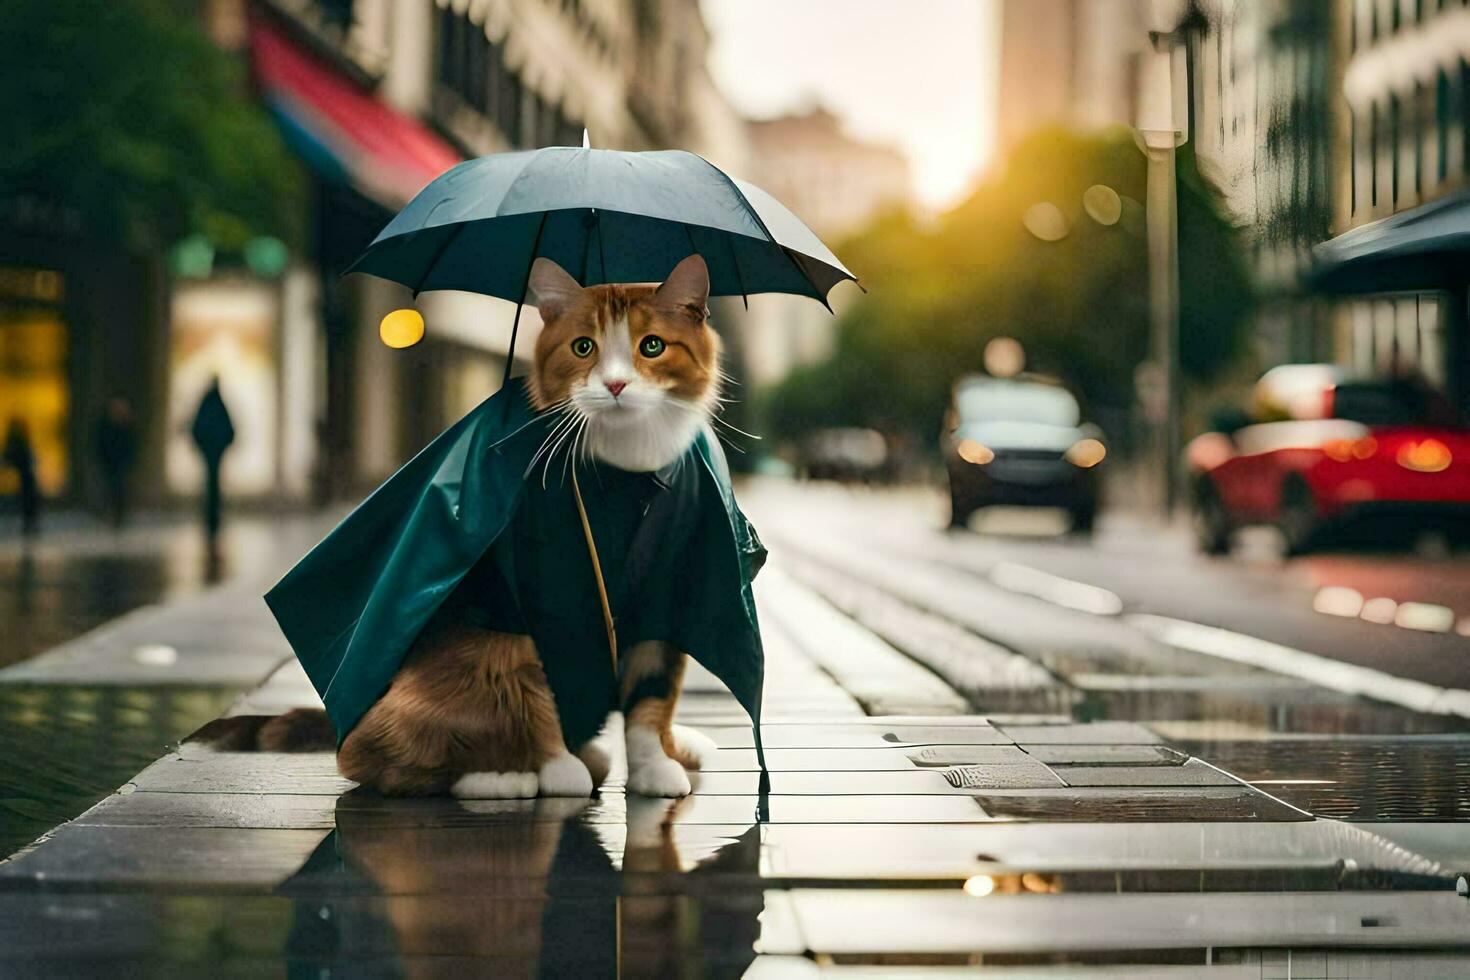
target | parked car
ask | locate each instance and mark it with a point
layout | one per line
(849, 455)
(1020, 442)
(1324, 450)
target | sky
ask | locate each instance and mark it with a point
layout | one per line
(917, 74)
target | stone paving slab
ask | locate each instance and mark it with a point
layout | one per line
(918, 782)
(367, 935)
(264, 773)
(834, 760)
(1105, 755)
(195, 858)
(864, 665)
(774, 967)
(974, 779)
(224, 637)
(987, 674)
(282, 811)
(969, 755)
(853, 735)
(1146, 804)
(1245, 964)
(874, 921)
(1091, 733)
(1191, 773)
(957, 852)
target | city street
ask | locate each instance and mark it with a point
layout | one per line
(967, 749)
(735, 488)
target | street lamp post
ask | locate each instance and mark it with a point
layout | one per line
(1162, 127)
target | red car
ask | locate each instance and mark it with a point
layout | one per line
(1337, 451)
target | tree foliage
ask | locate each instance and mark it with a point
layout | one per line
(1079, 305)
(123, 113)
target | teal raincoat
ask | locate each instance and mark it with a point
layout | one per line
(354, 605)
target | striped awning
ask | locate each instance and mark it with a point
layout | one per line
(339, 126)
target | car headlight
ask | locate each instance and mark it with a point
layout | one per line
(1086, 453)
(975, 452)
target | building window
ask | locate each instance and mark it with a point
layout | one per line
(337, 13)
(1394, 126)
(1461, 113)
(1442, 116)
(1373, 155)
(1352, 162)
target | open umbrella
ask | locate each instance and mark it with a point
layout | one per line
(604, 216)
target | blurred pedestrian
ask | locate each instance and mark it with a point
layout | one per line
(117, 450)
(20, 456)
(213, 432)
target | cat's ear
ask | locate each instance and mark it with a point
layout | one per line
(555, 290)
(687, 287)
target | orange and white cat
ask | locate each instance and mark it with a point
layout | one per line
(634, 372)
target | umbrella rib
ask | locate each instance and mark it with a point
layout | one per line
(739, 277)
(448, 240)
(772, 238)
(601, 250)
(515, 325)
(688, 233)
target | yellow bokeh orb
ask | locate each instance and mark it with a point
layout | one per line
(402, 328)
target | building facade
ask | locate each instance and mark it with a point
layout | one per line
(1405, 120)
(464, 78)
(837, 184)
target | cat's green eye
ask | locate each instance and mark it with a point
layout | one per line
(583, 347)
(651, 346)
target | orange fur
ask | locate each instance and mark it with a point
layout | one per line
(688, 368)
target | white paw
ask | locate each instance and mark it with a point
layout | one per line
(565, 775)
(659, 777)
(495, 786)
(695, 746)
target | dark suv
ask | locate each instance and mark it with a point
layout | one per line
(1020, 442)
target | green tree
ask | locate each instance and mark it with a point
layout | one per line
(124, 113)
(1078, 304)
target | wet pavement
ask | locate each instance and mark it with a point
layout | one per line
(963, 775)
(94, 683)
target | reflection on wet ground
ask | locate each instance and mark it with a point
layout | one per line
(556, 897)
(1260, 710)
(65, 583)
(46, 599)
(62, 747)
(1357, 778)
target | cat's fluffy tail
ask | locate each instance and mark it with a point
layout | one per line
(692, 749)
(298, 730)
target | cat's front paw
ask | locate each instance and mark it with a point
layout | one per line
(495, 786)
(659, 777)
(565, 775)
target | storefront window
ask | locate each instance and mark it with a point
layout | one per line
(33, 380)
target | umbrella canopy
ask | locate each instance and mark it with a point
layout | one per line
(604, 216)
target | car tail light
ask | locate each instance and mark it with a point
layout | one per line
(1344, 450)
(1425, 456)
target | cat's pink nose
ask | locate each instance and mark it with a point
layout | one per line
(616, 387)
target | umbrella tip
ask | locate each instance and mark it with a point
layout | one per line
(586, 139)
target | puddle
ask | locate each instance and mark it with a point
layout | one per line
(1355, 779)
(1263, 710)
(49, 598)
(63, 748)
